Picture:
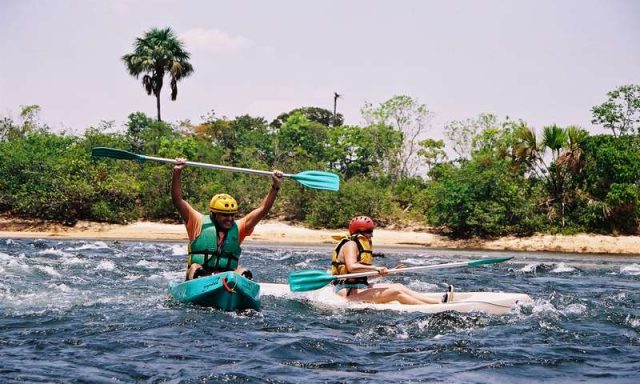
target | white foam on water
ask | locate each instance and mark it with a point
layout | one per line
(148, 264)
(5, 257)
(398, 331)
(16, 263)
(62, 287)
(304, 264)
(561, 267)
(132, 277)
(119, 299)
(321, 297)
(620, 296)
(178, 249)
(633, 322)
(71, 260)
(416, 261)
(48, 270)
(633, 270)
(151, 247)
(277, 256)
(93, 245)
(54, 298)
(53, 251)
(106, 265)
(529, 267)
(167, 276)
(574, 309)
(402, 333)
(543, 306)
(10, 242)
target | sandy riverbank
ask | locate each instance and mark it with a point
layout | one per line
(279, 232)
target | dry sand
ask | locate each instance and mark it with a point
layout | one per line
(271, 232)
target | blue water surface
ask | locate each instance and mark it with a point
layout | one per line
(97, 311)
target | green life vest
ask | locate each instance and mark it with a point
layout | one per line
(204, 249)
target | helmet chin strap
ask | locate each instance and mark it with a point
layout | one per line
(214, 221)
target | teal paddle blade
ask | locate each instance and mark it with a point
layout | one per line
(475, 263)
(309, 280)
(115, 154)
(318, 180)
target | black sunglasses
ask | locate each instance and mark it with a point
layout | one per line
(367, 232)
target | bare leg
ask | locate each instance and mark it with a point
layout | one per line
(244, 272)
(386, 293)
(424, 298)
(192, 270)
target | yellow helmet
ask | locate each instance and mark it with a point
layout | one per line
(223, 203)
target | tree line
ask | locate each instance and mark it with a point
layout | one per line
(503, 178)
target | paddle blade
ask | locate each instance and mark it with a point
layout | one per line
(318, 180)
(475, 263)
(115, 154)
(309, 280)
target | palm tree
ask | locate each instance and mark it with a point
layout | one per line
(527, 150)
(555, 138)
(572, 157)
(157, 52)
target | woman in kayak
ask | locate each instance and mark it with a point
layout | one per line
(214, 239)
(354, 254)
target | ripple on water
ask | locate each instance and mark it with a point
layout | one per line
(633, 270)
(99, 310)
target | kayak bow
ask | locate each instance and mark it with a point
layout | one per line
(228, 291)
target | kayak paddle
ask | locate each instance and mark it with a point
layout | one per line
(312, 179)
(311, 279)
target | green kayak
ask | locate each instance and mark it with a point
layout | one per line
(228, 291)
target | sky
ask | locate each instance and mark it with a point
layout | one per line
(543, 61)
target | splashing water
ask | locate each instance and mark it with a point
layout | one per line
(99, 312)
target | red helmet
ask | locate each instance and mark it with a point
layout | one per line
(360, 224)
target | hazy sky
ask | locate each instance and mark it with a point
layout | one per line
(543, 61)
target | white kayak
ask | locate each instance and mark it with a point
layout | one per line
(497, 303)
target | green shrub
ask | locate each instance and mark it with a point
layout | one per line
(356, 197)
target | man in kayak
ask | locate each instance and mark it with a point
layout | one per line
(355, 254)
(214, 239)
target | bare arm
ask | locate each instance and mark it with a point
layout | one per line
(176, 190)
(253, 217)
(350, 255)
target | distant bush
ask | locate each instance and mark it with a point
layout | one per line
(481, 199)
(356, 197)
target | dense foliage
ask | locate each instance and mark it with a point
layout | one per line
(505, 178)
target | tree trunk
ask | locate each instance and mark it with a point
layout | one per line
(158, 105)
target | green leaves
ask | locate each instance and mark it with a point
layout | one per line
(158, 52)
(482, 197)
(621, 112)
(502, 184)
(555, 138)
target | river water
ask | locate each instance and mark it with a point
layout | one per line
(94, 311)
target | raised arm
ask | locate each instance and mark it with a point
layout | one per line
(253, 217)
(176, 189)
